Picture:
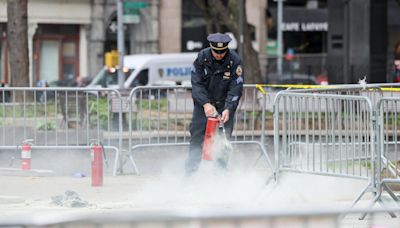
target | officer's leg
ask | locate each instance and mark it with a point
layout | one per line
(197, 131)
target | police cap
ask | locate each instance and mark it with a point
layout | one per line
(219, 42)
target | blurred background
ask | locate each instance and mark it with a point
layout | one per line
(291, 41)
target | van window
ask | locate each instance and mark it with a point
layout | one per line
(108, 77)
(141, 79)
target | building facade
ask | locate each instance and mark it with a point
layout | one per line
(68, 38)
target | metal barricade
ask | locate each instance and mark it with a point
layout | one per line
(60, 118)
(388, 170)
(346, 130)
(211, 218)
(160, 116)
(324, 133)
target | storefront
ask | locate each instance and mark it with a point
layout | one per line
(304, 30)
(56, 53)
(57, 40)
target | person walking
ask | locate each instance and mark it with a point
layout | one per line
(396, 63)
(217, 84)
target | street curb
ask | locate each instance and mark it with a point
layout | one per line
(26, 173)
(11, 200)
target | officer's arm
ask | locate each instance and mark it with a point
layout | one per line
(235, 90)
(199, 90)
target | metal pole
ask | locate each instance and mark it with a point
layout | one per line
(120, 41)
(241, 30)
(279, 37)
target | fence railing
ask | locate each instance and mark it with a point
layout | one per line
(160, 116)
(346, 130)
(335, 217)
(314, 124)
(324, 133)
(60, 118)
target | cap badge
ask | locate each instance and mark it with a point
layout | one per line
(220, 44)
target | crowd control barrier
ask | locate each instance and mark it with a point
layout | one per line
(212, 218)
(343, 130)
(161, 115)
(60, 118)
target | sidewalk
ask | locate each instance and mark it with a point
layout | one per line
(30, 196)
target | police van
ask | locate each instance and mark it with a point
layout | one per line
(148, 69)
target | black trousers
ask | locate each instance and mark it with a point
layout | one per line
(197, 130)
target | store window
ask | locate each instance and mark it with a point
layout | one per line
(69, 57)
(48, 68)
(56, 53)
(194, 32)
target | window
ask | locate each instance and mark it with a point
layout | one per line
(141, 79)
(48, 64)
(56, 53)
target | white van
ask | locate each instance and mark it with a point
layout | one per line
(149, 69)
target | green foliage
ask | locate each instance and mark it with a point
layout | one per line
(366, 164)
(154, 104)
(47, 126)
(99, 112)
(29, 110)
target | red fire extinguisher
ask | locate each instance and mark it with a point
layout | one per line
(26, 155)
(211, 128)
(97, 165)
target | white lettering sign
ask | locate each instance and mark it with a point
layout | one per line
(191, 45)
(304, 26)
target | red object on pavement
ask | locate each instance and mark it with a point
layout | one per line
(211, 128)
(26, 156)
(97, 165)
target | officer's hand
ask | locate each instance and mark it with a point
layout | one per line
(210, 110)
(225, 116)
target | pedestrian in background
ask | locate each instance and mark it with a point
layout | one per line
(396, 63)
(217, 84)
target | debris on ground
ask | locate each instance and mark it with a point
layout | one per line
(69, 199)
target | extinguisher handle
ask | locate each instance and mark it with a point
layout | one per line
(222, 126)
(30, 141)
(104, 155)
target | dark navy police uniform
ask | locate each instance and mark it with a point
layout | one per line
(218, 82)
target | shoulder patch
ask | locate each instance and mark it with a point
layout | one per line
(239, 80)
(239, 71)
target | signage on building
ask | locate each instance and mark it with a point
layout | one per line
(192, 45)
(305, 26)
(131, 19)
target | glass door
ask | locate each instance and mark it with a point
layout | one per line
(49, 60)
(70, 60)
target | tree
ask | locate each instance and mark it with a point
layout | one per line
(17, 36)
(226, 13)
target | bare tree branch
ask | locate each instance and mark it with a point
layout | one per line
(218, 15)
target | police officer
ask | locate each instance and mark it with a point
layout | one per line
(217, 83)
